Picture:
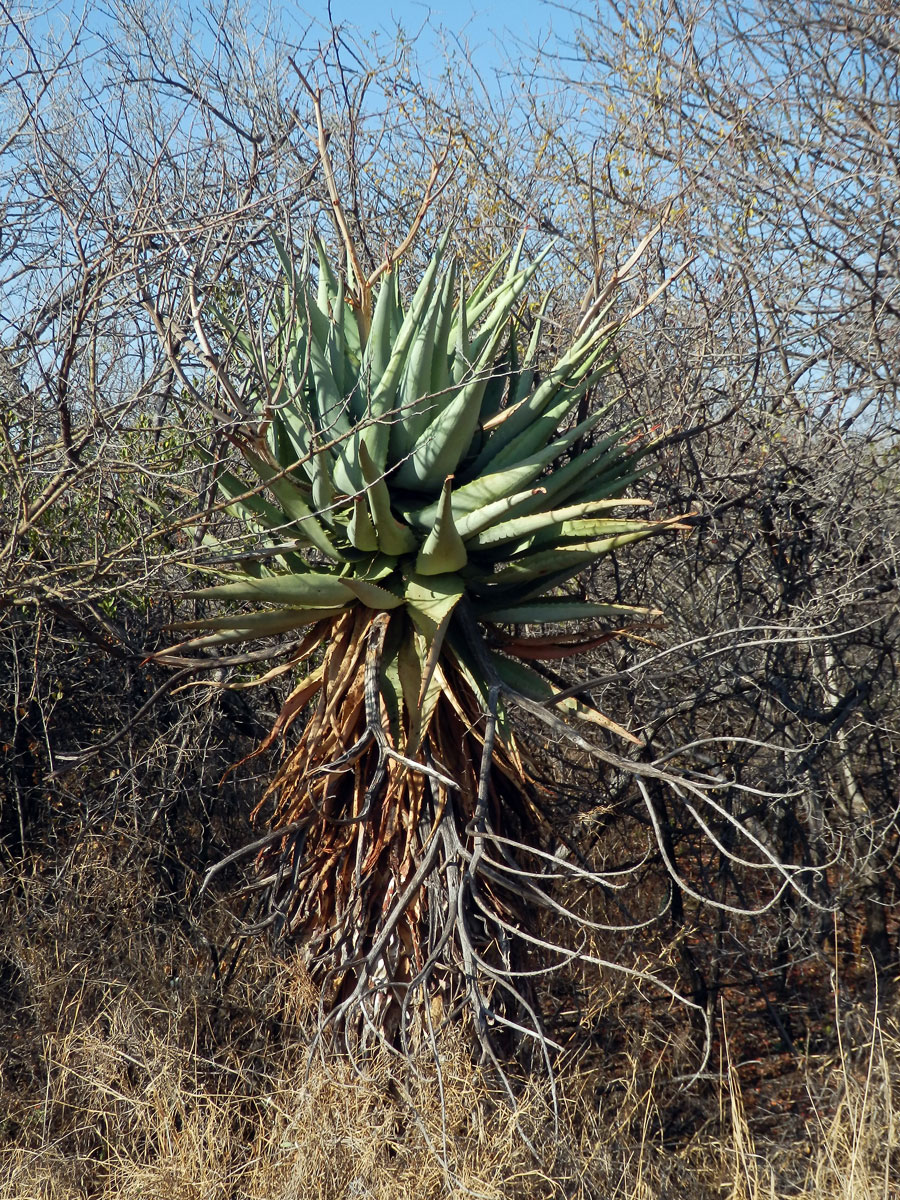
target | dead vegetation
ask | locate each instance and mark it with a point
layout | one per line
(136, 1063)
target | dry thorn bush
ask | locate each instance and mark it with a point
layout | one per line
(146, 1049)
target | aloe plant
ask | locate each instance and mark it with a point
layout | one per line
(419, 494)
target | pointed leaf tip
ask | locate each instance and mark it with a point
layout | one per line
(443, 550)
(393, 538)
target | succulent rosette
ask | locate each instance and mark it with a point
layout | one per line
(418, 484)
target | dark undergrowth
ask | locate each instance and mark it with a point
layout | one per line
(147, 1050)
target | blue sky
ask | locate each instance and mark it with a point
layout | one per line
(494, 33)
(481, 20)
(491, 30)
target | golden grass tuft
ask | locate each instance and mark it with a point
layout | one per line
(128, 1070)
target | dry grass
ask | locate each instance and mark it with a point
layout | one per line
(849, 1145)
(129, 1070)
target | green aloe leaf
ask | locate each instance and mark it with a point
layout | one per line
(329, 285)
(588, 530)
(504, 375)
(393, 538)
(448, 436)
(322, 484)
(379, 347)
(543, 612)
(534, 523)
(312, 590)
(443, 549)
(251, 506)
(360, 530)
(459, 367)
(294, 503)
(499, 485)
(440, 368)
(420, 682)
(430, 600)
(527, 681)
(471, 524)
(416, 402)
(603, 467)
(483, 301)
(477, 295)
(245, 627)
(265, 622)
(545, 425)
(530, 566)
(383, 399)
(371, 595)
(568, 373)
